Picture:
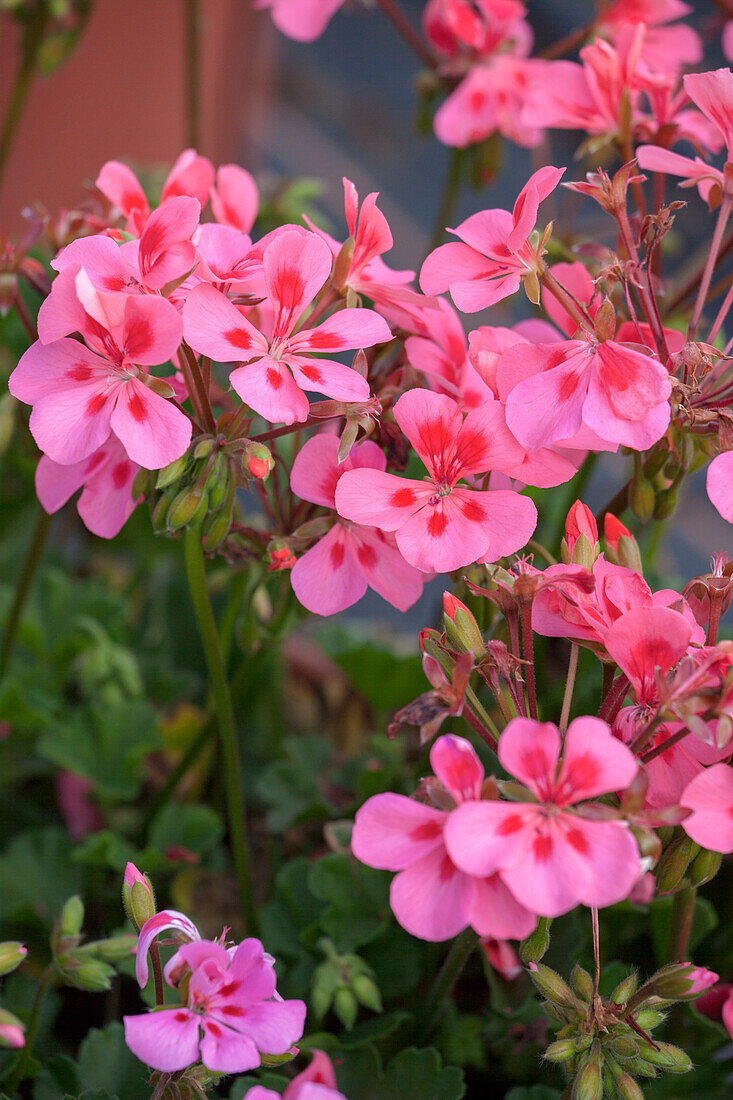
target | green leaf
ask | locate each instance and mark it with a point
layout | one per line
(385, 674)
(290, 787)
(196, 827)
(417, 1075)
(358, 898)
(532, 1092)
(105, 1062)
(108, 749)
(37, 875)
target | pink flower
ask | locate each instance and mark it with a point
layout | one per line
(11, 1031)
(720, 484)
(80, 813)
(235, 199)
(316, 1082)
(438, 524)
(430, 897)
(106, 476)
(191, 175)
(303, 20)
(494, 252)
(81, 396)
(710, 797)
(645, 639)
(276, 372)
(442, 356)
(229, 1015)
(335, 572)
(490, 98)
(164, 921)
(165, 252)
(476, 27)
(664, 48)
(551, 857)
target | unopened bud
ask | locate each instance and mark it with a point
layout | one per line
(138, 896)
(461, 628)
(581, 982)
(72, 917)
(535, 946)
(673, 864)
(641, 499)
(12, 1034)
(563, 1050)
(666, 502)
(626, 1087)
(187, 508)
(342, 266)
(141, 483)
(216, 529)
(281, 557)
(365, 989)
(670, 1058)
(278, 1059)
(7, 421)
(588, 1085)
(625, 990)
(552, 986)
(346, 1006)
(704, 866)
(605, 321)
(257, 461)
(620, 545)
(12, 954)
(649, 1018)
(93, 975)
(217, 483)
(623, 1046)
(116, 948)
(172, 472)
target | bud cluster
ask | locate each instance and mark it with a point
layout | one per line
(85, 965)
(342, 983)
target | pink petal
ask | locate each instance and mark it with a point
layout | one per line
(152, 330)
(107, 502)
(594, 763)
(268, 387)
(529, 750)
(524, 215)
(713, 94)
(431, 422)
(164, 921)
(296, 265)
(549, 406)
(274, 1025)
(120, 185)
(235, 199)
(482, 837)
(392, 831)
(644, 639)
(327, 578)
(576, 278)
(68, 425)
(720, 484)
(61, 313)
(64, 365)
(373, 235)
(102, 260)
(329, 377)
(253, 971)
(710, 797)
(227, 1051)
(316, 468)
(454, 761)
(497, 913)
(320, 1071)
(453, 263)
(384, 568)
(152, 430)
(349, 328)
(448, 533)
(303, 20)
(485, 442)
(213, 326)
(166, 251)
(432, 899)
(191, 175)
(56, 483)
(510, 522)
(378, 499)
(167, 1040)
(487, 232)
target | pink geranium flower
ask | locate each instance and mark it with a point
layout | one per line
(430, 896)
(191, 175)
(228, 1018)
(710, 797)
(106, 476)
(720, 484)
(336, 571)
(549, 855)
(80, 395)
(235, 199)
(490, 98)
(438, 524)
(316, 1082)
(303, 20)
(665, 48)
(476, 27)
(494, 252)
(442, 356)
(296, 264)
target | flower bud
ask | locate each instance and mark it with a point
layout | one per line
(563, 1050)
(138, 896)
(673, 864)
(681, 981)
(666, 502)
(342, 265)
(625, 990)
(580, 545)
(367, 992)
(346, 1006)
(257, 461)
(626, 1087)
(624, 1047)
(581, 982)
(7, 421)
(279, 1059)
(649, 1018)
(641, 499)
(217, 483)
(551, 986)
(116, 948)
(670, 1058)
(172, 472)
(535, 946)
(11, 1030)
(72, 917)
(187, 508)
(588, 1084)
(604, 321)
(704, 866)
(93, 975)
(12, 954)
(281, 556)
(620, 545)
(141, 483)
(216, 530)
(461, 628)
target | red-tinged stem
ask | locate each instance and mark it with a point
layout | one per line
(157, 973)
(664, 745)
(685, 291)
(26, 320)
(195, 385)
(654, 319)
(567, 300)
(614, 698)
(568, 43)
(408, 32)
(275, 433)
(723, 214)
(479, 728)
(526, 617)
(722, 314)
(715, 602)
(569, 686)
(596, 951)
(646, 295)
(683, 914)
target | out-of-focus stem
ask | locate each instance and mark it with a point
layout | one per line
(33, 33)
(683, 913)
(405, 29)
(23, 587)
(527, 642)
(24, 1056)
(446, 979)
(723, 215)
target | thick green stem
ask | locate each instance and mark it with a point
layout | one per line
(683, 913)
(24, 1056)
(445, 981)
(23, 587)
(196, 573)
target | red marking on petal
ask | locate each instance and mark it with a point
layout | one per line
(94, 404)
(324, 340)
(137, 408)
(114, 282)
(542, 847)
(366, 556)
(447, 868)
(312, 373)
(139, 336)
(80, 372)
(577, 840)
(120, 474)
(510, 825)
(337, 555)
(239, 337)
(476, 100)
(232, 1010)
(229, 988)
(274, 378)
(93, 462)
(584, 771)
(402, 498)
(568, 386)
(473, 511)
(437, 524)
(213, 1029)
(429, 831)
(181, 1017)
(287, 286)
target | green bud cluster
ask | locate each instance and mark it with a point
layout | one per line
(85, 965)
(605, 1046)
(343, 983)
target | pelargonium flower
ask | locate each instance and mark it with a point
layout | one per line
(720, 484)
(316, 1082)
(710, 797)
(430, 896)
(303, 20)
(489, 99)
(228, 1018)
(276, 372)
(335, 572)
(106, 502)
(440, 525)
(191, 175)
(494, 253)
(548, 854)
(235, 198)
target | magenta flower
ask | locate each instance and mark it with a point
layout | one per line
(720, 484)
(494, 252)
(106, 502)
(335, 572)
(303, 20)
(431, 897)
(81, 396)
(229, 1016)
(547, 853)
(296, 264)
(442, 356)
(316, 1082)
(710, 797)
(490, 98)
(167, 920)
(191, 175)
(438, 524)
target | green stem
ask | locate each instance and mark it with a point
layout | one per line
(23, 587)
(31, 1031)
(196, 573)
(157, 973)
(446, 979)
(683, 912)
(569, 685)
(32, 41)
